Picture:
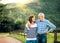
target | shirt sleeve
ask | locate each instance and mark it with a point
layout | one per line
(51, 25)
(26, 29)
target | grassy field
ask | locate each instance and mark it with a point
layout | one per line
(18, 37)
(50, 37)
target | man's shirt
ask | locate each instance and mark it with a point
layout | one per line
(43, 26)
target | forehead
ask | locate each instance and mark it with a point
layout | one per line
(41, 16)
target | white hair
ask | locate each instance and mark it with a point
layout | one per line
(41, 14)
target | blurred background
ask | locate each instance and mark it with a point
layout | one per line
(14, 13)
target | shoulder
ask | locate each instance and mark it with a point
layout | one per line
(35, 25)
(46, 20)
(27, 24)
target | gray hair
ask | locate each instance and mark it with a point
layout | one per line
(41, 14)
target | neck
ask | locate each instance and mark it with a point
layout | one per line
(32, 23)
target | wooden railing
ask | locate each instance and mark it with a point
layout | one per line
(55, 36)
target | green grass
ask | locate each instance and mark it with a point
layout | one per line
(3, 33)
(19, 37)
(58, 36)
(50, 37)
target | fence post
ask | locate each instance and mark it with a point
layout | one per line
(55, 37)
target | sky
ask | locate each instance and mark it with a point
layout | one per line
(15, 1)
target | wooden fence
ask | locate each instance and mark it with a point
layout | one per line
(55, 36)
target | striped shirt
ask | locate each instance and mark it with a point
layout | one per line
(31, 34)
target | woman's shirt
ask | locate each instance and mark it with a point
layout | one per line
(31, 32)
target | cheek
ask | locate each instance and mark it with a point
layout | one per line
(41, 17)
(33, 19)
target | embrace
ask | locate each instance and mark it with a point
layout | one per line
(37, 30)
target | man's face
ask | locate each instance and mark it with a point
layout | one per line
(41, 17)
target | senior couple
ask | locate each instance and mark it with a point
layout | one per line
(37, 30)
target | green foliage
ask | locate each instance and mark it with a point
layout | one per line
(20, 14)
(49, 7)
(19, 25)
(6, 25)
(2, 8)
(46, 6)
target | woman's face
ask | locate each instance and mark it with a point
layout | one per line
(33, 19)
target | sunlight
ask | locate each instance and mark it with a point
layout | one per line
(16, 1)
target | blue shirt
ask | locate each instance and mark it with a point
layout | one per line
(44, 25)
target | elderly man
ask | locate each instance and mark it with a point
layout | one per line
(43, 30)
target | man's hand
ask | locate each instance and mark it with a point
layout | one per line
(47, 32)
(29, 25)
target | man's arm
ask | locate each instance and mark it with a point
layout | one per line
(28, 25)
(51, 25)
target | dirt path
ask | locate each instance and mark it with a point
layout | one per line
(5, 39)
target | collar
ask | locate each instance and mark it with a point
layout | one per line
(42, 20)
